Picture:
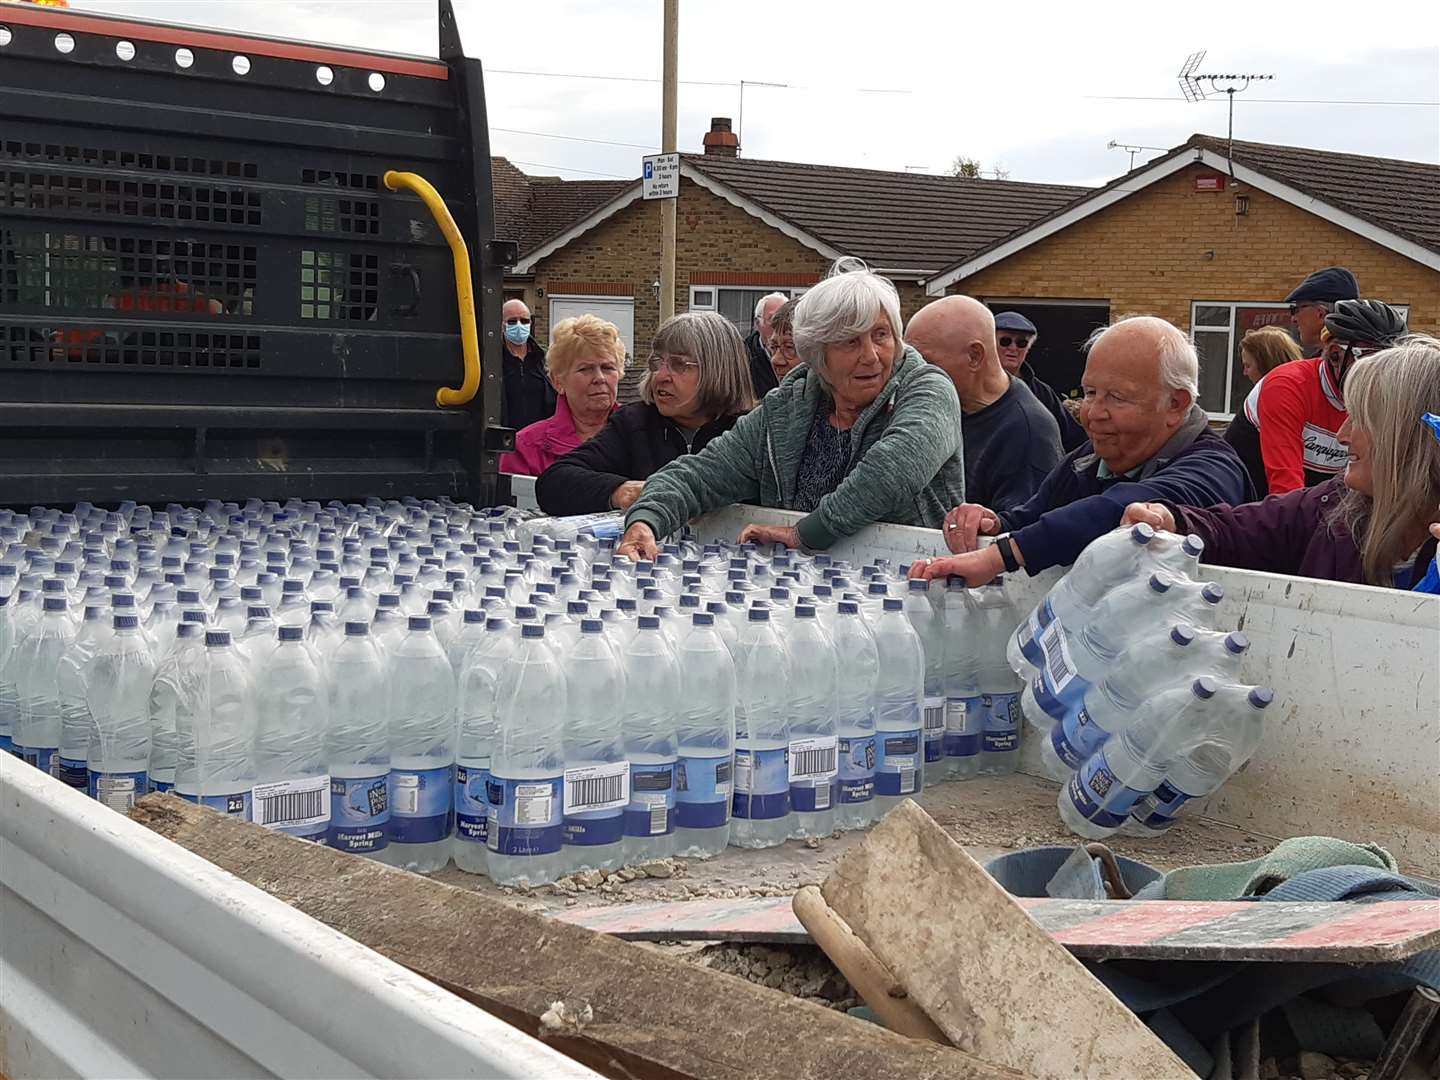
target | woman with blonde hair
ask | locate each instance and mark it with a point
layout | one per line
(1266, 348)
(584, 364)
(1370, 525)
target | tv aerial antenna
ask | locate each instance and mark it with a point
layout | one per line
(1196, 86)
(1132, 150)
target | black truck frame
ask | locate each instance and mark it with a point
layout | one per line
(206, 288)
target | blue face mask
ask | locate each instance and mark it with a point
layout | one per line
(517, 333)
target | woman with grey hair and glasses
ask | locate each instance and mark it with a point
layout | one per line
(864, 431)
(696, 386)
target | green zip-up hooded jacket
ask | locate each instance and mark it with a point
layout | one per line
(906, 463)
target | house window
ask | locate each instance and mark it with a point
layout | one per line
(1217, 329)
(734, 302)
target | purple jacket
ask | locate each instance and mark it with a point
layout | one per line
(1294, 533)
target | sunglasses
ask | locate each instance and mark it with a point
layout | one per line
(1019, 342)
(516, 320)
(1305, 304)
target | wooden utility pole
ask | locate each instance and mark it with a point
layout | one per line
(668, 107)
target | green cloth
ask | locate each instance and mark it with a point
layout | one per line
(1231, 881)
(906, 462)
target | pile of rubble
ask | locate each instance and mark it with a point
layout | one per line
(803, 971)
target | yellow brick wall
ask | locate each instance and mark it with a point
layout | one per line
(1151, 254)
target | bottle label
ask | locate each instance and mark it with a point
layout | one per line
(161, 786)
(1002, 723)
(1059, 685)
(359, 813)
(299, 807)
(526, 816)
(651, 811)
(472, 804)
(934, 728)
(420, 804)
(597, 787)
(964, 724)
(1027, 637)
(44, 758)
(762, 785)
(1158, 809)
(236, 805)
(1076, 737)
(1098, 795)
(897, 770)
(813, 758)
(7, 745)
(857, 770)
(76, 774)
(116, 790)
(702, 792)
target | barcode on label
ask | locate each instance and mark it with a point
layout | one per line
(935, 717)
(1057, 656)
(597, 787)
(658, 819)
(300, 802)
(907, 781)
(812, 759)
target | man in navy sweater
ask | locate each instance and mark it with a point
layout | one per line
(1147, 441)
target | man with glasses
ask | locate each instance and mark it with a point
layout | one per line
(757, 345)
(1015, 334)
(528, 395)
(1313, 299)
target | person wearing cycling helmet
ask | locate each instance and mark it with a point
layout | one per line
(1298, 408)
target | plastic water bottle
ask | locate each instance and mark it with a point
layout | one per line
(215, 743)
(176, 688)
(705, 730)
(422, 750)
(292, 784)
(1128, 767)
(964, 716)
(900, 761)
(1212, 757)
(652, 698)
(478, 679)
(357, 746)
(814, 745)
(857, 664)
(1152, 664)
(9, 692)
(77, 724)
(118, 686)
(994, 617)
(597, 772)
(37, 668)
(525, 833)
(930, 629)
(761, 805)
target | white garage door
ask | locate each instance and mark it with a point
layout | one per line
(619, 310)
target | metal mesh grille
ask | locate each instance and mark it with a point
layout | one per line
(132, 160)
(147, 199)
(342, 214)
(339, 286)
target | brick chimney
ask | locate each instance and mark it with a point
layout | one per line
(720, 141)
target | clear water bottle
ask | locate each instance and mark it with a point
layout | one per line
(705, 728)
(478, 680)
(652, 698)
(812, 758)
(215, 744)
(292, 782)
(930, 629)
(9, 692)
(422, 750)
(1212, 757)
(176, 689)
(77, 724)
(900, 761)
(597, 771)
(36, 665)
(1104, 790)
(118, 690)
(357, 746)
(857, 664)
(527, 772)
(994, 617)
(964, 716)
(761, 805)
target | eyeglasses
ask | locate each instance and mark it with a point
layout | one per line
(1021, 342)
(676, 365)
(517, 320)
(784, 348)
(1307, 304)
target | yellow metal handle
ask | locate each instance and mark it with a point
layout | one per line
(464, 294)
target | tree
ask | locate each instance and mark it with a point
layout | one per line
(971, 167)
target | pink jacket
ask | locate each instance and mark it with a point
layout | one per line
(542, 443)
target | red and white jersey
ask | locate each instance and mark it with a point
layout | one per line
(1297, 409)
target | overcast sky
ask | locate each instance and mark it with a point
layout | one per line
(1036, 88)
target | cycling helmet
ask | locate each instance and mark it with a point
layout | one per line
(1371, 322)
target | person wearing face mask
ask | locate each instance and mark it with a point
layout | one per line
(696, 387)
(584, 364)
(528, 396)
(1015, 334)
(1374, 524)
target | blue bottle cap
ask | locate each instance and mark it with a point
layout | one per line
(524, 612)
(292, 633)
(1182, 634)
(1142, 534)
(1261, 697)
(1192, 545)
(1236, 642)
(125, 622)
(532, 630)
(53, 603)
(357, 629)
(804, 611)
(849, 607)
(893, 604)
(1160, 583)
(1212, 592)
(474, 615)
(419, 622)
(702, 618)
(217, 636)
(918, 585)
(759, 614)
(1204, 688)
(257, 611)
(194, 615)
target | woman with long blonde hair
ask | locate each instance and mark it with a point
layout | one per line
(1370, 525)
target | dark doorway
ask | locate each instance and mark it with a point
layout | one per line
(1063, 329)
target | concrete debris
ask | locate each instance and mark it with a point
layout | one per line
(566, 1017)
(799, 970)
(1315, 1066)
(659, 868)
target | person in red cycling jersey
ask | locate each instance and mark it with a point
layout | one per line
(1298, 407)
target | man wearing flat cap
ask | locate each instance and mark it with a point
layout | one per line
(1313, 299)
(1014, 334)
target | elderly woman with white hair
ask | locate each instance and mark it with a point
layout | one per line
(863, 431)
(1148, 441)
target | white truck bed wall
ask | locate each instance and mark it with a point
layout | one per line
(1352, 745)
(123, 955)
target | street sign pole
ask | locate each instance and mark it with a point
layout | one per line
(667, 144)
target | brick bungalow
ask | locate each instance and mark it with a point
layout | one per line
(1213, 251)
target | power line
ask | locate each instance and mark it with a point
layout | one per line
(1264, 101)
(733, 84)
(575, 138)
(570, 168)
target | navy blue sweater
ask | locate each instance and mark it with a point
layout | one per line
(1074, 505)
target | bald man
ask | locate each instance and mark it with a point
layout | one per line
(1011, 440)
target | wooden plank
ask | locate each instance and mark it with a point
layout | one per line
(654, 1017)
(993, 981)
(1092, 929)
